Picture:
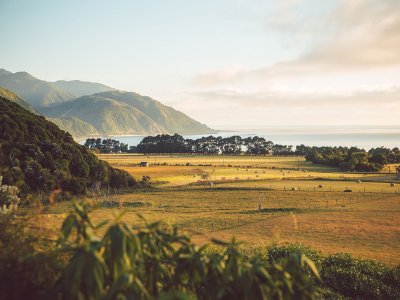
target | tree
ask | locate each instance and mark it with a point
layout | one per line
(79, 168)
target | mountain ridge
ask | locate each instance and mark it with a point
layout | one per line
(86, 108)
(112, 113)
(34, 91)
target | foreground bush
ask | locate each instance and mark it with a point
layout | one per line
(362, 279)
(157, 263)
(26, 272)
(343, 274)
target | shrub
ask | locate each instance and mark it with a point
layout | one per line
(362, 279)
(25, 272)
(157, 263)
(9, 199)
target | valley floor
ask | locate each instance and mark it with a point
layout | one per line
(278, 203)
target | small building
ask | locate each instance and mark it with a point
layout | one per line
(143, 164)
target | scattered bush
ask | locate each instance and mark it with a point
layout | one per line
(9, 199)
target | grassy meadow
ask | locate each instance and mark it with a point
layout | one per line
(258, 200)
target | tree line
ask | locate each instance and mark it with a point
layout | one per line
(107, 145)
(351, 158)
(345, 158)
(164, 143)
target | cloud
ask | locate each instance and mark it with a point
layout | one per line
(349, 76)
(232, 108)
(361, 35)
(360, 98)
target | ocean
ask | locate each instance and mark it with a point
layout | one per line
(365, 137)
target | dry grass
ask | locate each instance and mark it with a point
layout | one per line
(370, 230)
(216, 160)
(365, 222)
(367, 227)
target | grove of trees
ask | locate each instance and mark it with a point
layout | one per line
(351, 159)
(233, 145)
(106, 145)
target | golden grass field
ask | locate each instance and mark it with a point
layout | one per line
(364, 222)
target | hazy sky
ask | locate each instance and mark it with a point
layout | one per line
(229, 64)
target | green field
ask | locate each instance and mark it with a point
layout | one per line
(258, 200)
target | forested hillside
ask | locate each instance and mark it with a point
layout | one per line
(14, 98)
(36, 155)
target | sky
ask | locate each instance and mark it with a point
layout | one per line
(230, 64)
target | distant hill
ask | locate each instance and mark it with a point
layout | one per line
(81, 88)
(107, 116)
(86, 108)
(40, 93)
(168, 118)
(14, 98)
(116, 112)
(75, 125)
(36, 155)
(34, 91)
(4, 72)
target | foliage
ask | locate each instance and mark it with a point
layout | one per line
(233, 145)
(25, 271)
(36, 155)
(155, 262)
(345, 275)
(9, 199)
(158, 263)
(106, 145)
(363, 279)
(351, 159)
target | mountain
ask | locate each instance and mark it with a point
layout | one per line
(81, 88)
(4, 93)
(40, 93)
(170, 119)
(36, 155)
(107, 116)
(76, 126)
(4, 72)
(117, 112)
(86, 108)
(70, 124)
(34, 91)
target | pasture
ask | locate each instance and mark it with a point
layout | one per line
(258, 200)
(180, 170)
